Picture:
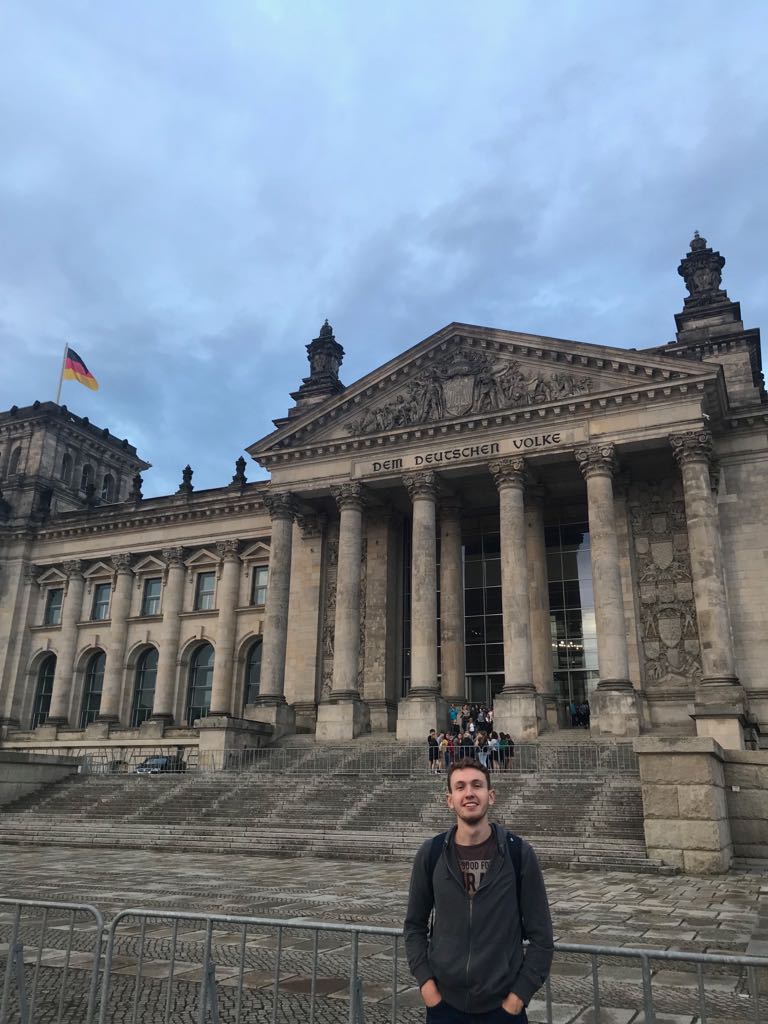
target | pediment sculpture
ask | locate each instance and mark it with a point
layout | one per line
(470, 383)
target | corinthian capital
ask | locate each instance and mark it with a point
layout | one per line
(422, 485)
(173, 557)
(508, 472)
(122, 562)
(280, 505)
(73, 568)
(597, 460)
(349, 495)
(692, 446)
(227, 549)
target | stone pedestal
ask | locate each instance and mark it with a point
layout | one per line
(615, 712)
(383, 715)
(153, 728)
(47, 732)
(342, 719)
(220, 734)
(684, 803)
(272, 711)
(97, 730)
(517, 713)
(417, 714)
(721, 713)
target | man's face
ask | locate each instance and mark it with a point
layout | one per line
(469, 797)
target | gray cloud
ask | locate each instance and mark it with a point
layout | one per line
(187, 190)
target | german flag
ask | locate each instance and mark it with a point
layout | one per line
(75, 369)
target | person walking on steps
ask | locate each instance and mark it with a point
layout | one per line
(483, 889)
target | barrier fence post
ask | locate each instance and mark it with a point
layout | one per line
(650, 1016)
(18, 961)
(9, 967)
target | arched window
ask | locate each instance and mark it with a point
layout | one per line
(144, 693)
(45, 675)
(13, 465)
(86, 477)
(66, 468)
(200, 683)
(108, 488)
(94, 684)
(253, 672)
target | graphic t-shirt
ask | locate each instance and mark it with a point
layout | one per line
(474, 862)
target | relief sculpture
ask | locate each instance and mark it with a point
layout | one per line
(471, 382)
(669, 631)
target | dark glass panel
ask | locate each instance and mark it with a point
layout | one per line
(475, 630)
(494, 632)
(572, 594)
(473, 602)
(494, 657)
(473, 575)
(475, 658)
(493, 601)
(556, 596)
(473, 548)
(493, 573)
(491, 545)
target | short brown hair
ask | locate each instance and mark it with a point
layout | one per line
(468, 762)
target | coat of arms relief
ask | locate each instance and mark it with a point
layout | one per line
(669, 630)
(462, 383)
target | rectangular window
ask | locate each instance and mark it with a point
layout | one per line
(101, 594)
(53, 602)
(150, 601)
(205, 590)
(259, 585)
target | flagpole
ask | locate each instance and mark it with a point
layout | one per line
(61, 374)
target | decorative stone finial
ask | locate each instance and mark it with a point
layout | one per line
(701, 270)
(186, 487)
(325, 355)
(239, 479)
(135, 494)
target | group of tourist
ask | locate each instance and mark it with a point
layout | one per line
(579, 714)
(471, 734)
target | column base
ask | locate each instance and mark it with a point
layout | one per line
(615, 709)
(60, 723)
(420, 712)
(273, 711)
(220, 734)
(383, 715)
(721, 711)
(548, 712)
(164, 717)
(305, 712)
(47, 731)
(97, 730)
(108, 719)
(342, 718)
(154, 728)
(517, 712)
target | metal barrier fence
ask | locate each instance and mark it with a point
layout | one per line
(409, 758)
(43, 936)
(163, 966)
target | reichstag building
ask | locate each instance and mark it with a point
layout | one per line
(491, 516)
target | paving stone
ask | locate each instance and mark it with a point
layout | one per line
(608, 1015)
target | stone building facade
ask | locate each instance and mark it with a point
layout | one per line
(490, 516)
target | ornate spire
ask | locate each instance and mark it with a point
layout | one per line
(701, 270)
(325, 355)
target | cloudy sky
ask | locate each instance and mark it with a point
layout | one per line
(187, 189)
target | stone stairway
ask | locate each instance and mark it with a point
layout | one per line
(580, 821)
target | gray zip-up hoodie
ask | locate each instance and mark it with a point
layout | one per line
(476, 953)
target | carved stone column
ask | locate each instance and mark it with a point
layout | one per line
(615, 709)
(168, 655)
(515, 708)
(423, 709)
(451, 603)
(271, 700)
(720, 705)
(120, 607)
(343, 715)
(538, 604)
(65, 660)
(223, 663)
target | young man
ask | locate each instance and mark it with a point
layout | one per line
(472, 967)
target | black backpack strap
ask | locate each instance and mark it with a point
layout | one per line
(435, 849)
(516, 853)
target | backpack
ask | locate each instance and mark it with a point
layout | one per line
(515, 852)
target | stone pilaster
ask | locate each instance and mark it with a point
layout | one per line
(515, 708)
(223, 664)
(538, 604)
(120, 607)
(168, 654)
(424, 708)
(720, 706)
(65, 660)
(615, 709)
(451, 603)
(343, 715)
(271, 699)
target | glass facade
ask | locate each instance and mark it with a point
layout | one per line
(253, 672)
(571, 614)
(44, 691)
(200, 683)
(483, 630)
(144, 692)
(94, 685)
